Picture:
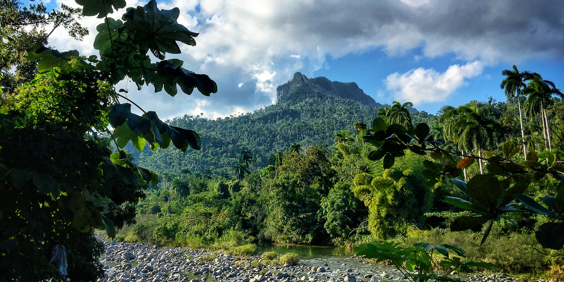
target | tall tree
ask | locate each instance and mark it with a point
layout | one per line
(471, 127)
(399, 113)
(361, 127)
(20, 28)
(61, 181)
(344, 136)
(295, 148)
(540, 93)
(514, 84)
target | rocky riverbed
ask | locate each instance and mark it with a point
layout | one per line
(144, 262)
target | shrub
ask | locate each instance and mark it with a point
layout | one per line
(269, 255)
(245, 250)
(514, 253)
(289, 258)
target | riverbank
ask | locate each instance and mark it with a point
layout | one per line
(147, 263)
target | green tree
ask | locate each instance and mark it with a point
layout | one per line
(241, 169)
(61, 180)
(20, 28)
(540, 93)
(295, 148)
(399, 113)
(470, 127)
(344, 136)
(514, 84)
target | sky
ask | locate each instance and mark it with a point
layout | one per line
(429, 52)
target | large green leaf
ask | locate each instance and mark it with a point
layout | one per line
(389, 160)
(124, 134)
(551, 203)
(463, 204)
(551, 235)
(182, 138)
(376, 155)
(460, 184)
(45, 183)
(49, 59)
(20, 177)
(532, 205)
(485, 188)
(421, 131)
(119, 113)
(170, 73)
(110, 30)
(109, 226)
(100, 7)
(157, 30)
(378, 124)
(467, 222)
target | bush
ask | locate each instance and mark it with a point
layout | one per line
(289, 258)
(514, 253)
(245, 250)
(269, 255)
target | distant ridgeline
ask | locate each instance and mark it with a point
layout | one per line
(301, 87)
(308, 111)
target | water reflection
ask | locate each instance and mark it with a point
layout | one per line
(307, 252)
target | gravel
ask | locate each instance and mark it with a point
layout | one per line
(147, 263)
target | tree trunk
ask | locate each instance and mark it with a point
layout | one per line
(544, 128)
(522, 129)
(480, 161)
(464, 169)
(547, 130)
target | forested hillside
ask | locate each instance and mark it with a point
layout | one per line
(305, 116)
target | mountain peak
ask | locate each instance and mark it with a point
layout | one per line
(301, 87)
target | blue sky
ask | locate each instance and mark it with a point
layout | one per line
(430, 52)
(370, 69)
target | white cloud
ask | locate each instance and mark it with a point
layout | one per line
(260, 44)
(426, 85)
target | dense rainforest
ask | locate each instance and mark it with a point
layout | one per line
(304, 115)
(326, 165)
(323, 185)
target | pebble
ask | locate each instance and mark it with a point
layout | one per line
(148, 263)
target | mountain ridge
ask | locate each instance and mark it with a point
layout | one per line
(300, 86)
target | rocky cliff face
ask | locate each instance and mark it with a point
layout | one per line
(301, 87)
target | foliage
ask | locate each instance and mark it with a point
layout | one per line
(492, 193)
(341, 211)
(394, 200)
(416, 263)
(22, 27)
(289, 258)
(269, 255)
(61, 178)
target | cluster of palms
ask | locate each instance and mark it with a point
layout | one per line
(539, 95)
(473, 127)
(397, 113)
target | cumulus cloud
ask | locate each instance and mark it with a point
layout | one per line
(260, 44)
(426, 85)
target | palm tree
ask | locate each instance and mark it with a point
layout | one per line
(276, 161)
(399, 113)
(449, 132)
(470, 127)
(361, 127)
(540, 93)
(295, 148)
(514, 85)
(384, 112)
(246, 158)
(344, 136)
(241, 169)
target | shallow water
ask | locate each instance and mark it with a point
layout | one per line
(307, 252)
